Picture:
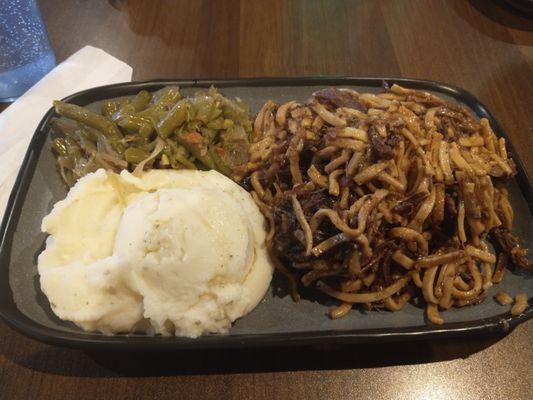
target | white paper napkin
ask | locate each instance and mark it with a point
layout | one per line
(87, 68)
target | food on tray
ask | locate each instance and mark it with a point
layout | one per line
(378, 199)
(164, 131)
(373, 199)
(169, 252)
(520, 304)
(503, 298)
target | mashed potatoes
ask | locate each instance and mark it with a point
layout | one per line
(172, 252)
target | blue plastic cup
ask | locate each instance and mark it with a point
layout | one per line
(25, 51)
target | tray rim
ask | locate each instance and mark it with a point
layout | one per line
(25, 325)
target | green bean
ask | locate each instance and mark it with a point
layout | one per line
(146, 130)
(126, 108)
(183, 161)
(109, 108)
(174, 118)
(134, 155)
(60, 147)
(167, 99)
(203, 110)
(152, 115)
(133, 123)
(158, 110)
(141, 100)
(198, 150)
(87, 117)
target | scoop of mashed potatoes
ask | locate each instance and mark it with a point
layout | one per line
(171, 252)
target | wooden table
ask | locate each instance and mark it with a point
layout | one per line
(482, 46)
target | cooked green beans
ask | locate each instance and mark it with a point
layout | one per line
(141, 100)
(168, 98)
(60, 147)
(197, 132)
(109, 108)
(87, 117)
(175, 117)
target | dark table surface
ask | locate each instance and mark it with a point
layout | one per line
(482, 46)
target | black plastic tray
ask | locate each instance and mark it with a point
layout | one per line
(277, 320)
